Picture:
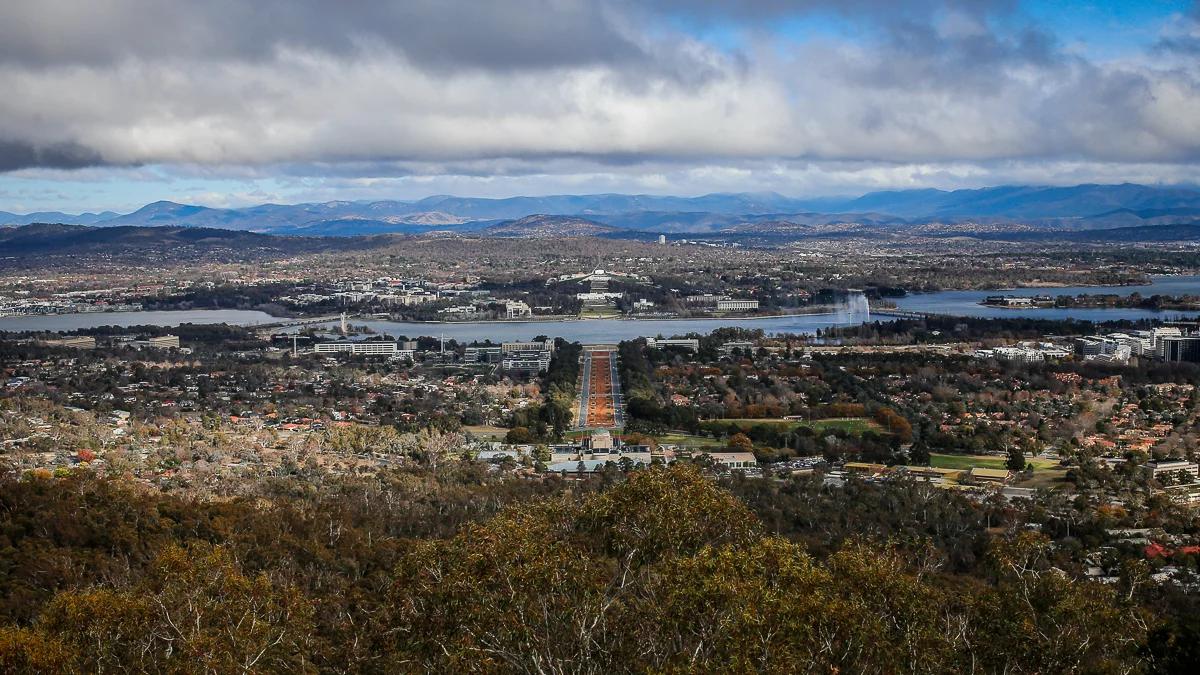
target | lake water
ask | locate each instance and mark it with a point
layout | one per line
(596, 330)
(962, 303)
(68, 322)
(966, 303)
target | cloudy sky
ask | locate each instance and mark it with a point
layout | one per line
(110, 104)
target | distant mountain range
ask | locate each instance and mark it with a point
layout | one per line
(1078, 208)
(7, 218)
(1024, 202)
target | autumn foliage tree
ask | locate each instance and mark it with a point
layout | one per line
(196, 612)
(740, 442)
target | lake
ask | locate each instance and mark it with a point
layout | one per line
(596, 330)
(68, 322)
(961, 303)
(966, 303)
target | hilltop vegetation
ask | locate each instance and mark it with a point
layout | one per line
(42, 245)
(662, 571)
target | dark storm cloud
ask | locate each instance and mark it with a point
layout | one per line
(490, 35)
(16, 155)
(445, 33)
(918, 54)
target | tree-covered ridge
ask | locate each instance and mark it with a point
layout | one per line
(663, 571)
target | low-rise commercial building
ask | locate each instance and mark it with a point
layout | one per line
(739, 346)
(1173, 468)
(735, 460)
(483, 354)
(984, 475)
(74, 342)
(158, 342)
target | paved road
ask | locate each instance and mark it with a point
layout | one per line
(600, 402)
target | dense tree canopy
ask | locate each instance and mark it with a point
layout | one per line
(665, 571)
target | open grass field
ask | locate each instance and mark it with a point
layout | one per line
(727, 427)
(1047, 474)
(1047, 479)
(690, 440)
(486, 433)
(943, 461)
(852, 425)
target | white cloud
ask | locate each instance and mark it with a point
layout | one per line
(925, 97)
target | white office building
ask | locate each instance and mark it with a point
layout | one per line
(517, 308)
(736, 305)
(1158, 335)
(686, 343)
(158, 342)
(1181, 348)
(533, 357)
(1139, 342)
(483, 354)
(350, 347)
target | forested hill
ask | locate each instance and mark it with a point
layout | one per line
(461, 571)
(58, 238)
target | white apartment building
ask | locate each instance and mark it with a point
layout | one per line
(1019, 354)
(407, 299)
(356, 296)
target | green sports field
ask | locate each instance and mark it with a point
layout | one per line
(852, 425)
(943, 461)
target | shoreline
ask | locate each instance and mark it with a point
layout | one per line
(1048, 287)
(580, 319)
(1140, 309)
